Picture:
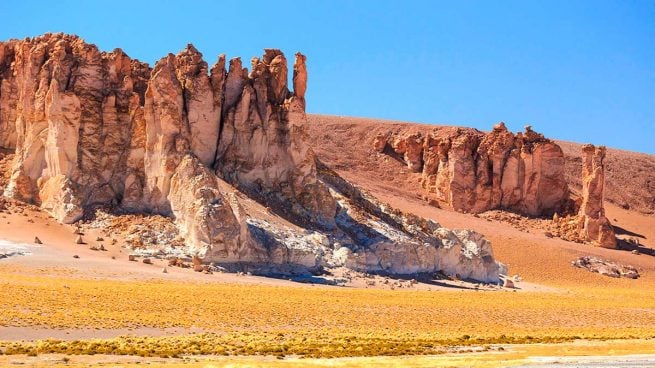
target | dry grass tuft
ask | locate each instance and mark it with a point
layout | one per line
(309, 321)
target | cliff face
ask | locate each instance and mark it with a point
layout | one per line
(262, 149)
(108, 130)
(470, 171)
(66, 107)
(185, 140)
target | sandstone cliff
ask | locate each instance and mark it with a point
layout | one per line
(470, 171)
(467, 170)
(183, 140)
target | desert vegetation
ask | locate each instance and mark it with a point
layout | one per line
(307, 321)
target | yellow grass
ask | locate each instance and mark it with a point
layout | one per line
(310, 321)
(512, 356)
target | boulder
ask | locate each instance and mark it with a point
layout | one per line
(605, 267)
(380, 142)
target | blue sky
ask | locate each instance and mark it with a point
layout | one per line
(576, 70)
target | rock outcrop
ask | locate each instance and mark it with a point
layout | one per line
(607, 268)
(380, 238)
(185, 141)
(261, 149)
(470, 171)
(593, 226)
(72, 105)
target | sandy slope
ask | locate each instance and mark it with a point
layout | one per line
(56, 254)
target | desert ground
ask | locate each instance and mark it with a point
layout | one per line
(62, 302)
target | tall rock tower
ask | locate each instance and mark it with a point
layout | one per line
(593, 225)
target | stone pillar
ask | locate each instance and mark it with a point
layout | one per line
(593, 225)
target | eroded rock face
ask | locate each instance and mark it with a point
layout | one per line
(185, 141)
(593, 225)
(72, 114)
(379, 238)
(411, 147)
(8, 94)
(203, 213)
(470, 171)
(262, 149)
(299, 83)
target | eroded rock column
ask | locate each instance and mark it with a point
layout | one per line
(593, 225)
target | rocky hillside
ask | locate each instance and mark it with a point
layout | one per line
(467, 170)
(197, 144)
(470, 171)
(630, 176)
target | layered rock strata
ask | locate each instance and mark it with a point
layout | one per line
(470, 171)
(184, 140)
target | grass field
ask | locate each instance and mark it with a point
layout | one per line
(309, 321)
(514, 355)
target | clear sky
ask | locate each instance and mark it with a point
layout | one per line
(576, 70)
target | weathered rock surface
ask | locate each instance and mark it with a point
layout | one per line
(607, 268)
(622, 187)
(183, 140)
(467, 170)
(261, 149)
(470, 171)
(379, 238)
(593, 225)
(73, 112)
(206, 219)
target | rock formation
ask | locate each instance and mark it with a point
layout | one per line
(73, 110)
(467, 170)
(607, 268)
(184, 140)
(593, 226)
(383, 239)
(261, 148)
